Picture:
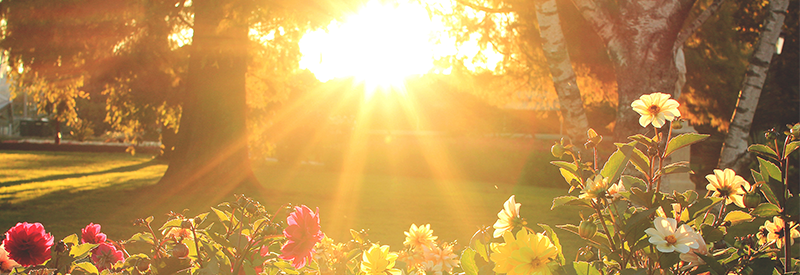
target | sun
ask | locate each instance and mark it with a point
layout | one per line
(381, 45)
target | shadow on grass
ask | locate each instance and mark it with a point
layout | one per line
(129, 168)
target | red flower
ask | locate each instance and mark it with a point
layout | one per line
(302, 233)
(28, 243)
(91, 234)
(104, 255)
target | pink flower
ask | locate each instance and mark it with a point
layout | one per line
(6, 264)
(105, 255)
(91, 234)
(28, 243)
(302, 234)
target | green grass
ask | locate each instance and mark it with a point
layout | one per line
(66, 191)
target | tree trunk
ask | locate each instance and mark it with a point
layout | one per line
(734, 149)
(211, 151)
(639, 37)
(555, 50)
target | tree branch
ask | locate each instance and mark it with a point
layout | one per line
(689, 30)
(484, 9)
(598, 17)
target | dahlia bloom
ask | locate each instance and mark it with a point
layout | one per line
(656, 109)
(105, 255)
(773, 231)
(702, 249)
(615, 190)
(726, 184)
(91, 234)
(527, 254)
(302, 233)
(668, 237)
(6, 264)
(419, 236)
(595, 188)
(28, 244)
(507, 218)
(378, 260)
(437, 259)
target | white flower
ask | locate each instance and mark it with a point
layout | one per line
(615, 190)
(656, 108)
(668, 237)
(506, 218)
(702, 248)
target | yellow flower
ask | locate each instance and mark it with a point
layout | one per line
(656, 109)
(419, 236)
(773, 231)
(595, 188)
(726, 184)
(507, 218)
(668, 237)
(527, 254)
(378, 260)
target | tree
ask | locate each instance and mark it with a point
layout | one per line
(734, 150)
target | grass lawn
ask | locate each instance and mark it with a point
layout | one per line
(66, 191)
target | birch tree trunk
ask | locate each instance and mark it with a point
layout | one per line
(734, 149)
(555, 50)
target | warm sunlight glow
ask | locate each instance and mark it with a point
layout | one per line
(381, 45)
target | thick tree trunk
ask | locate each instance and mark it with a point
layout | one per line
(639, 36)
(555, 50)
(211, 151)
(734, 149)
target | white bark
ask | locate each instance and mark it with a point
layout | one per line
(734, 150)
(555, 50)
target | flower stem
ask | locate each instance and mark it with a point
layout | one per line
(787, 238)
(603, 223)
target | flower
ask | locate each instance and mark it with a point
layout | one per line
(615, 190)
(527, 254)
(6, 264)
(507, 218)
(773, 231)
(419, 236)
(302, 233)
(668, 237)
(105, 255)
(177, 233)
(595, 188)
(378, 260)
(656, 109)
(91, 234)
(691, 256)
(28, 243)
(726, 184)
(439, 259)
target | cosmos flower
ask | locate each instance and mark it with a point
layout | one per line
(668, 237)
(656, 109)
(726, 184)
(507, 218)
(419, 236)
(773, 231)
(28, 243)
(302, 233)
(378, 260)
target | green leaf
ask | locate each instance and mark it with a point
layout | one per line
(762, 149)
(170, 224)
(766, 210)
(481, 249)
(84, 268)
(584, 268)
(677, 167)
(713, 264)
(468, 262)
(738, 216)
(630, 182)
(698, 208)
(669, 259)
(71, 239)
(711, 234)
(790, 148)
(793, 207)
(639, 160)
(82, 250)
(556, 242)
(142, 237)
(742, 229)
(773, 186)
(569, 200)
(637, 224)
(644, 140)
(224, 218)
(568, 170)
(617, 161)
(683, 141)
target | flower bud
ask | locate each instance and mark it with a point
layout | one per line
(794, 131)
(557, 150)
(677, 124)
(180, 250)
(771, 134)
(587, 229)
(652, 151)
(144, 264)
(186, 224)
(751, 199)
(62, 247)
